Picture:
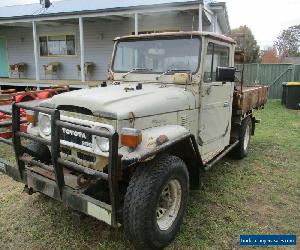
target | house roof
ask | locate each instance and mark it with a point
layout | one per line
(222, 9)
(70, 7)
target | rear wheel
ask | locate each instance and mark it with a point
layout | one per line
(155, 202)
(242, 149)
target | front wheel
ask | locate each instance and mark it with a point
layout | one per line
(155, 202)
(245, 131)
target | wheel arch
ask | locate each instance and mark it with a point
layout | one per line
(237, 123)
(186, 150)
(173, 140)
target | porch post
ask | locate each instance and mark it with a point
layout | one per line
(36, 51)
(82, 56)
(136, 23)
(200, 27)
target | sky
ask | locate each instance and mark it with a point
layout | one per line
(266, 18)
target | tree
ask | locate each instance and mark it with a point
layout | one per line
(288, 42)
(245, 41)
(269, 55)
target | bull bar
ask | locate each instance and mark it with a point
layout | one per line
(76, 199)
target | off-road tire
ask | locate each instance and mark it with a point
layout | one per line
(39, 151)
(142, 197)
(241, 150)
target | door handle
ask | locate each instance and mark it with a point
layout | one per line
(226, 104)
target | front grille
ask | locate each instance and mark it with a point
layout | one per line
(86, 157)
(76, 137)
(66, 151)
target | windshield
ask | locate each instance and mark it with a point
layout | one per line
(159, 55)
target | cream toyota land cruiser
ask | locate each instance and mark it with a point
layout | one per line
(128, 152)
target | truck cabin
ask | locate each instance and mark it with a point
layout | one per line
(156, 57)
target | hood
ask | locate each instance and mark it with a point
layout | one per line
(118, 101)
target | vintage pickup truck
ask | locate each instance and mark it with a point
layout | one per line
(128, 152)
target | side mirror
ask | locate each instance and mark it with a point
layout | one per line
(225, 74)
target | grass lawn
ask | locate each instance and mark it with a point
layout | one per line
(258, 195)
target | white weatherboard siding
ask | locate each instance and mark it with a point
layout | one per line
(98, 36)
(99, 42)
(68, 63)
(171, 21)
(20, 47)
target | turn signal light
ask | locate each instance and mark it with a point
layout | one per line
(131, 137)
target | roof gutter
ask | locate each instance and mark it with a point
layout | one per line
(103, 12)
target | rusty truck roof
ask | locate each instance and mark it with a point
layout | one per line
(213, 35)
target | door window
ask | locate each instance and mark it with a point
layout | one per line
(217, 55)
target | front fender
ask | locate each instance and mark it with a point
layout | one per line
(155, 140)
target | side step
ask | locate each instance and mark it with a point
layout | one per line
(209, 165)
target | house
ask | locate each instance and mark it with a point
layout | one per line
(72, 35)
(291, 59)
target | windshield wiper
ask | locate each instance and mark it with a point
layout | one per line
(172, 71)
(136, 70)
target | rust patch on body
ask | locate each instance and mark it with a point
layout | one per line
(161, 140)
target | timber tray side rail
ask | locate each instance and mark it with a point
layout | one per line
(57, 189)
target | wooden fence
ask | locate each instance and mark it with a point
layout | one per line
(272, 75)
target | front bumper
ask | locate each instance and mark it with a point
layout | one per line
(75, 199)
(79, 199)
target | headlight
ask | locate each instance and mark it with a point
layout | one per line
(45, 124)
(102, 142)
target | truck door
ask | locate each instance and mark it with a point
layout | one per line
(216, 102)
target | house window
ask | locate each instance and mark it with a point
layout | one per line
(58, 45)
(217, 55)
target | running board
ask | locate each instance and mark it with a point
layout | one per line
(209, 165)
